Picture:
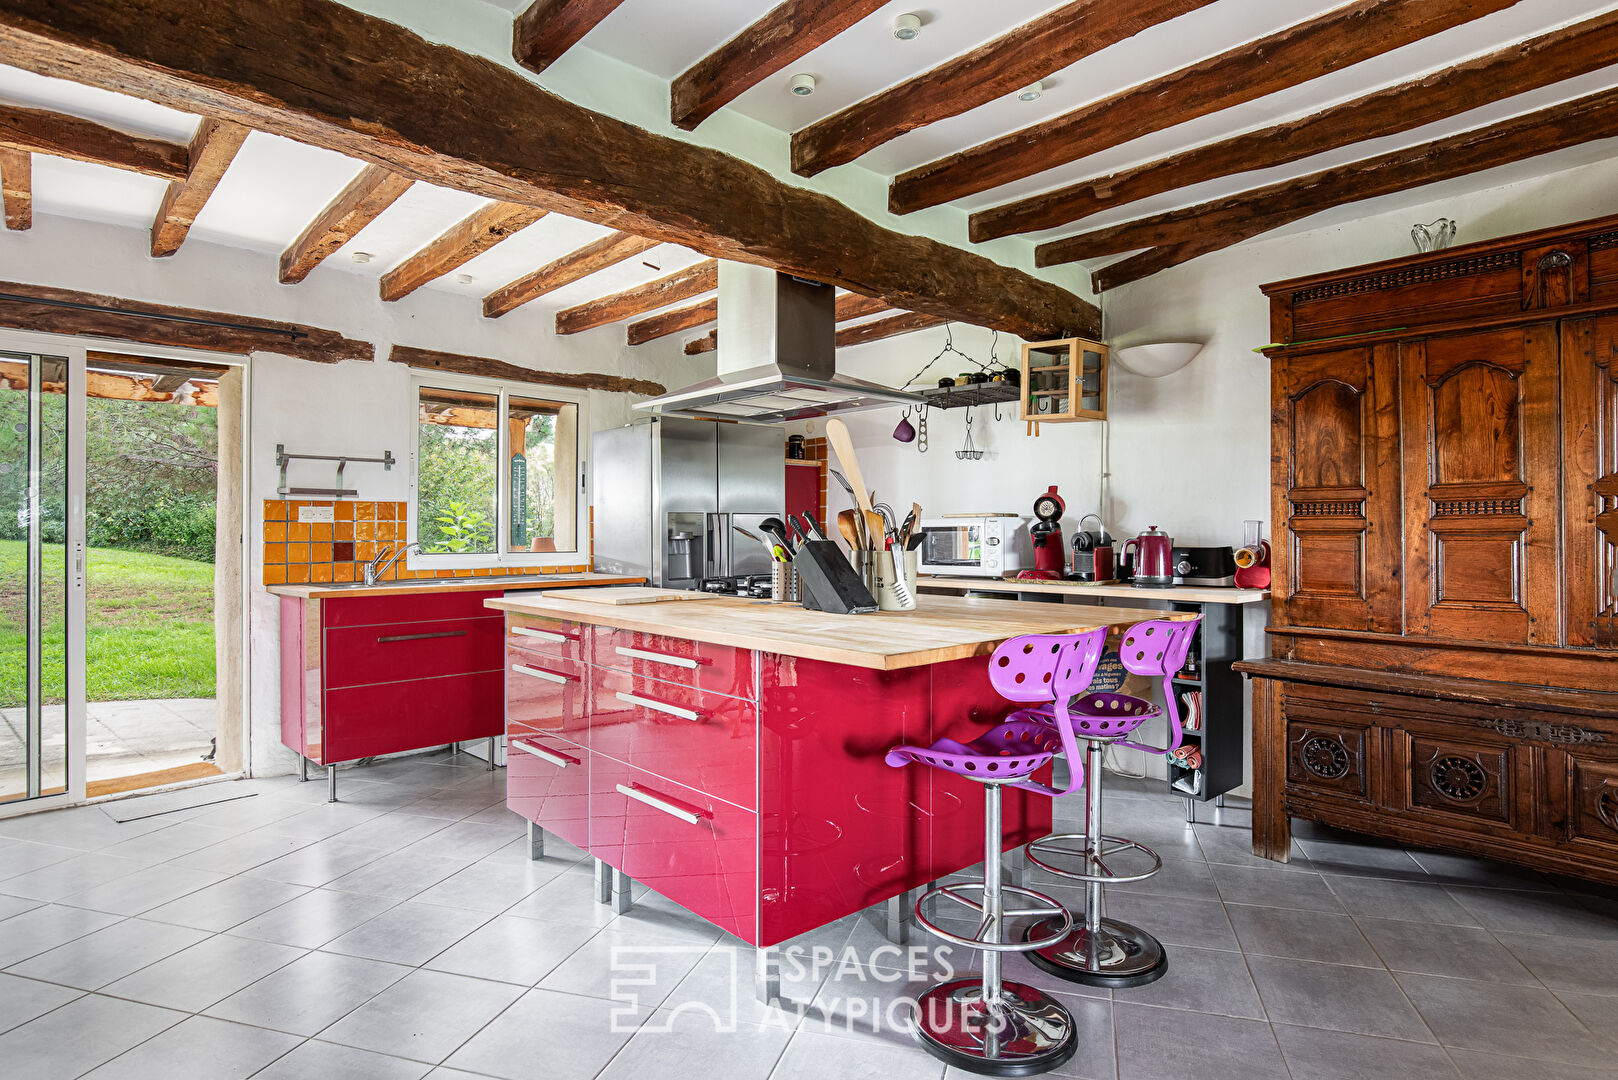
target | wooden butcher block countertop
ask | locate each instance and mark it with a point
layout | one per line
(471, 584)
(942, 628)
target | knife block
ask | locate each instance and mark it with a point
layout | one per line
(829, 582)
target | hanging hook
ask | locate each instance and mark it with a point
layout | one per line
(997, 412)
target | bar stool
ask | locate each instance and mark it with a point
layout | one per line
(987, 1025)
(1109, 952)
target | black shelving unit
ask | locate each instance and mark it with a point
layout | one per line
(961, 397)
(1217, 646)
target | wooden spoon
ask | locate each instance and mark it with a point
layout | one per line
(847, 524)
(843, 446)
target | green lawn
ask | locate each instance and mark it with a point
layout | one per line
(149, 626)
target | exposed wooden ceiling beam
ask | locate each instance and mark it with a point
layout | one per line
(672, 322)
(693, 281)
(17, 188)
(1003, 66)
(786, 33)
(1181, 235)
(212, 150)
(1516, 69)
(853, 306)
(433, 360)
(608, 251)
(373, 90)
(1328, 43)
(877, 329)
(706, 343)
(549, 28)
(65, 311)
(61, 135)
(356, 206)
(465, 240)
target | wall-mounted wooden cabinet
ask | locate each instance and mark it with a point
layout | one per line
(1064, 381)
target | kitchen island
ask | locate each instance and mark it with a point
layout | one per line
(728, 753)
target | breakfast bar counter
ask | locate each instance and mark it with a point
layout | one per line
(728, 753)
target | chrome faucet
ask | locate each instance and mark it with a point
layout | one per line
(384, 559)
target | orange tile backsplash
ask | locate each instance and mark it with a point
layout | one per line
(297, 553)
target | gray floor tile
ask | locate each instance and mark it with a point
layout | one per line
(813, 1056)
(644, 970)
(1313, 1054)
(221, 906)
(16, 905)
(199, 1047)
(44, 928)
(506, 1047)
(1387, 899)
(21, 1000)
(209, 971)
(659, 920)
(316, 1060)
(425, 1016)
(1459, 952)
(323, 820)
(402, 874)
(1173, 921)
(108, 954)
(249, 814)
(721, 986)
(1476, 1066)
(80, 1035)
(1598, 1012)
(512, 949)
(1185, 879)
(1448, 869)
(23, 856)
(691, 1046)
(1365, 1001)
(318, 864)
(871, 1004)
(74, 875)
(1234, 847)
(142, 890)
(1563, 963)
(1301, 935)
(1512, 1020)
(491, 885)
(1274, 888)
(1154, 1044)
(1535, 913)
(241, 853)
(1362, 860)
(311, 920)
(409, 933)
(1203, 980)
(569, 897)
(465, 840)
(87, 828)
(310, 993)
(181, 838)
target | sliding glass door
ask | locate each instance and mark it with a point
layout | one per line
(41, 575)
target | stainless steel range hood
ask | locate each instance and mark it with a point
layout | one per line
(777, 356)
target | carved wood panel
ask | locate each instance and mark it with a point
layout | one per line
(1459, 778)
(1336, 489)
(1590, 482)
(1595, 802)
(1327, 757)
(1480, 475)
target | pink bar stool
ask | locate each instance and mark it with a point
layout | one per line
(987, 1025)
(1102, 951)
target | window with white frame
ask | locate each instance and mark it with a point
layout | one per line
(496, 474)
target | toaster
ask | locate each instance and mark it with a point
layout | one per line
(1204, 566)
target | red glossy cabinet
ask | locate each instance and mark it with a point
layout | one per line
(548, 782)
(751, 787)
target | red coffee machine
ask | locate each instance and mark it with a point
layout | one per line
(1050, 553)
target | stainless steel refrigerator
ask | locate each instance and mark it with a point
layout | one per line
(667, 492)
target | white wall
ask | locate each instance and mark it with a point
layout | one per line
(350, 408)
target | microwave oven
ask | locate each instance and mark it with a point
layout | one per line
(977, 546)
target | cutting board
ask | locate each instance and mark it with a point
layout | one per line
(625, 595)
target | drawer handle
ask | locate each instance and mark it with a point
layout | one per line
(419, 637)
(657, 658)
(543, 635)
(658, 706)
(561, 761)
(541, 673)
(669, 808)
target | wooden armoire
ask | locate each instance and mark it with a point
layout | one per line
(1444, 455)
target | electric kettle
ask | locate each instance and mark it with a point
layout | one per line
(1154, 559)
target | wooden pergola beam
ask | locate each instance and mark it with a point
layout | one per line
(1330, 42)
(373, 90)
(672, 322)
(1003, 66)
(1516, 69)
(17, 188)
(785, 33)
(61, 135)
(706, 343)
(464, 241)
(854, 306)
(356, 206)
(460, 364)
(212, 150)
(693, 281)
(1181, 235)
(608, 251)
(549, 28)
(894, 325)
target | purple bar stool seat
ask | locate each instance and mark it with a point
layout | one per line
(1102, 951)
(986, 1025)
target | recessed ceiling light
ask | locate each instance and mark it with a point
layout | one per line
(803, 85)
(463, 279)
(1031, 92)
(361, 256)
(906, 27)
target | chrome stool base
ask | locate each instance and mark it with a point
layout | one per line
(1125, 955)
(1022, 1033)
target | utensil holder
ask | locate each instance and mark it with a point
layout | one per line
(882, 580)
(829, 583)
